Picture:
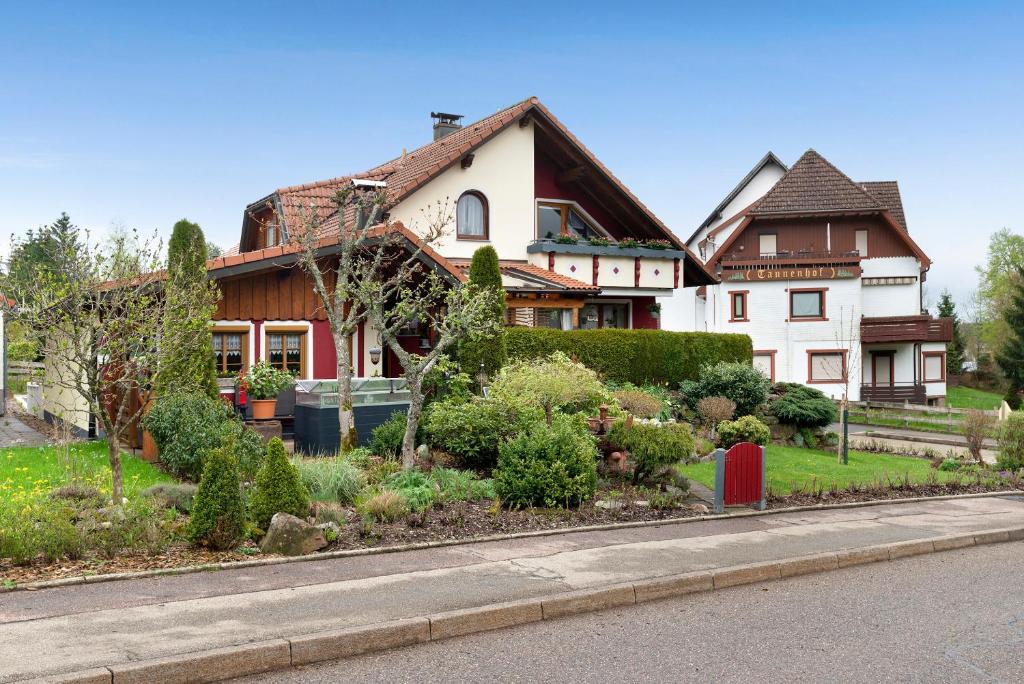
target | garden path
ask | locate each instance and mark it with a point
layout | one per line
(15, 433)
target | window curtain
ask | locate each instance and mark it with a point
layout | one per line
(470, 216)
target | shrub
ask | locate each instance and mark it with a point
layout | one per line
(461, 485)
(803, 406)
(1011, 443)
(132, 526)
(554, 383)
(714, 410)
(41, 529)
(278, 488)
(334, 479)
(744, 429)
(218, 515)
(176, 495)
(386, 438)
(379, 469)
(977, 427)
(639, 403)
(949, 465)
(471, 431)
(418, 489)
(652, 447)
(187, 425)
(382, 506)
(745, 385)
(545, 465)
(637, 356)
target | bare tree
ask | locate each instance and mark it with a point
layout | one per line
(450, 312)
(99, 317)
(847, 337)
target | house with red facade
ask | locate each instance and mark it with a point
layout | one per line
(577, 248)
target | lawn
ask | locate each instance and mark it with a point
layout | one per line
(27, 472)
(793, 467)
(968, 397)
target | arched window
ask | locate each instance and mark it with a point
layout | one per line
(471, 216)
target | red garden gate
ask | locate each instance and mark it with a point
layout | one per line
(740, 475)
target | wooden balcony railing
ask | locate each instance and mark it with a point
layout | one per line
(921, 328)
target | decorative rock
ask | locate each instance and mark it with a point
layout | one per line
(333, 526)
(608, 505)
(699, 508)
(291, 536)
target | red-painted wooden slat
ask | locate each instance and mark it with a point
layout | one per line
(743, 474)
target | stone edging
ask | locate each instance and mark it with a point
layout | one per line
(277, 654)
(416, 546)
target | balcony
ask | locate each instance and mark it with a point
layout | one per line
(610, 266)
(922, 328)
(896, 393)
(788, 258)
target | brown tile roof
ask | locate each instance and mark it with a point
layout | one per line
(888, 195)
(814, 185)
(403, 174)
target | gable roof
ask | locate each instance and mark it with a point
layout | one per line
(888, 194)
(767, 159)
(814, 185)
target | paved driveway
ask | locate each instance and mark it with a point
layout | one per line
(15, 433)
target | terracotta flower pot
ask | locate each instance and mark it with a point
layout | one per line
(149, 449)
(263, 409)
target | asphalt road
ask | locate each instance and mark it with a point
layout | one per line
(953, 617)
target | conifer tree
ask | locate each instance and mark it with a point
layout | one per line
(491, 351)
(1011, 357)
(955, 349)
(186, 349)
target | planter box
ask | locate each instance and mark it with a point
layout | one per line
(545, 246)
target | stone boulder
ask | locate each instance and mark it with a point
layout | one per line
(291, 536)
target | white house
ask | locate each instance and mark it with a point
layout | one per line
(822, 273)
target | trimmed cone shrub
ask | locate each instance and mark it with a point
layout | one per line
(745, 429)
(279, 488)
(548, 466)
(652, 447)
(803, 406)
(491, 351)
(218, 514)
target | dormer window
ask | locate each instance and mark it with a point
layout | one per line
(471, 216)
(558, 218)
(273, 235)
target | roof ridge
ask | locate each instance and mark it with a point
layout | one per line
(795, 181)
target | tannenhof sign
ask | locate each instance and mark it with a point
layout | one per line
(795, 273)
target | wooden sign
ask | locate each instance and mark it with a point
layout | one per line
(794, 273)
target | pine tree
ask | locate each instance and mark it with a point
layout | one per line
(1011, 357)
(484, 272)
(278, 488)
(955, 349)
(188, 367)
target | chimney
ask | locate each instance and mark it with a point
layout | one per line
(445, 124)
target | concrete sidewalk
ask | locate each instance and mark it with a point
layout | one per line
(72, 629)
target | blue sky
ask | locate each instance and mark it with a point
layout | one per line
(138, 114)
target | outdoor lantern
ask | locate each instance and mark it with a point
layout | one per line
(374, 355)
(482, 377)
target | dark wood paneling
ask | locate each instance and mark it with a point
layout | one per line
(273, 285)
(793, 235)
(273, 295)
(245, 299)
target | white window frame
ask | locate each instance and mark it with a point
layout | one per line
(572, 205)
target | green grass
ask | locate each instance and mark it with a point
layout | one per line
(793, 468)
(968, 398)
(29, 472)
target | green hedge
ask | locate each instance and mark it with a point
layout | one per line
(637, 356)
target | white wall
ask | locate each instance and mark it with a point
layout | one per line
(892, 300)
(503, 170)
(761, 183)
(61, 402)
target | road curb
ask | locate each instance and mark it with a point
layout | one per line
(275, 654)
(417, 546)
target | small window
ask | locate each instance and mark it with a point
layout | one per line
(768, 244)
(738, 306)
(764, 361)
(230, 351)
(861, 237)
(934, 366)
(271, 234)
(471, 216)
(287, 351)
(807, 305)
(594, 316)
(826, 366)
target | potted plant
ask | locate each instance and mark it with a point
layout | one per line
(264, 383)
(629, 243)
(599, 241)
(567, 239)
(657, 244)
